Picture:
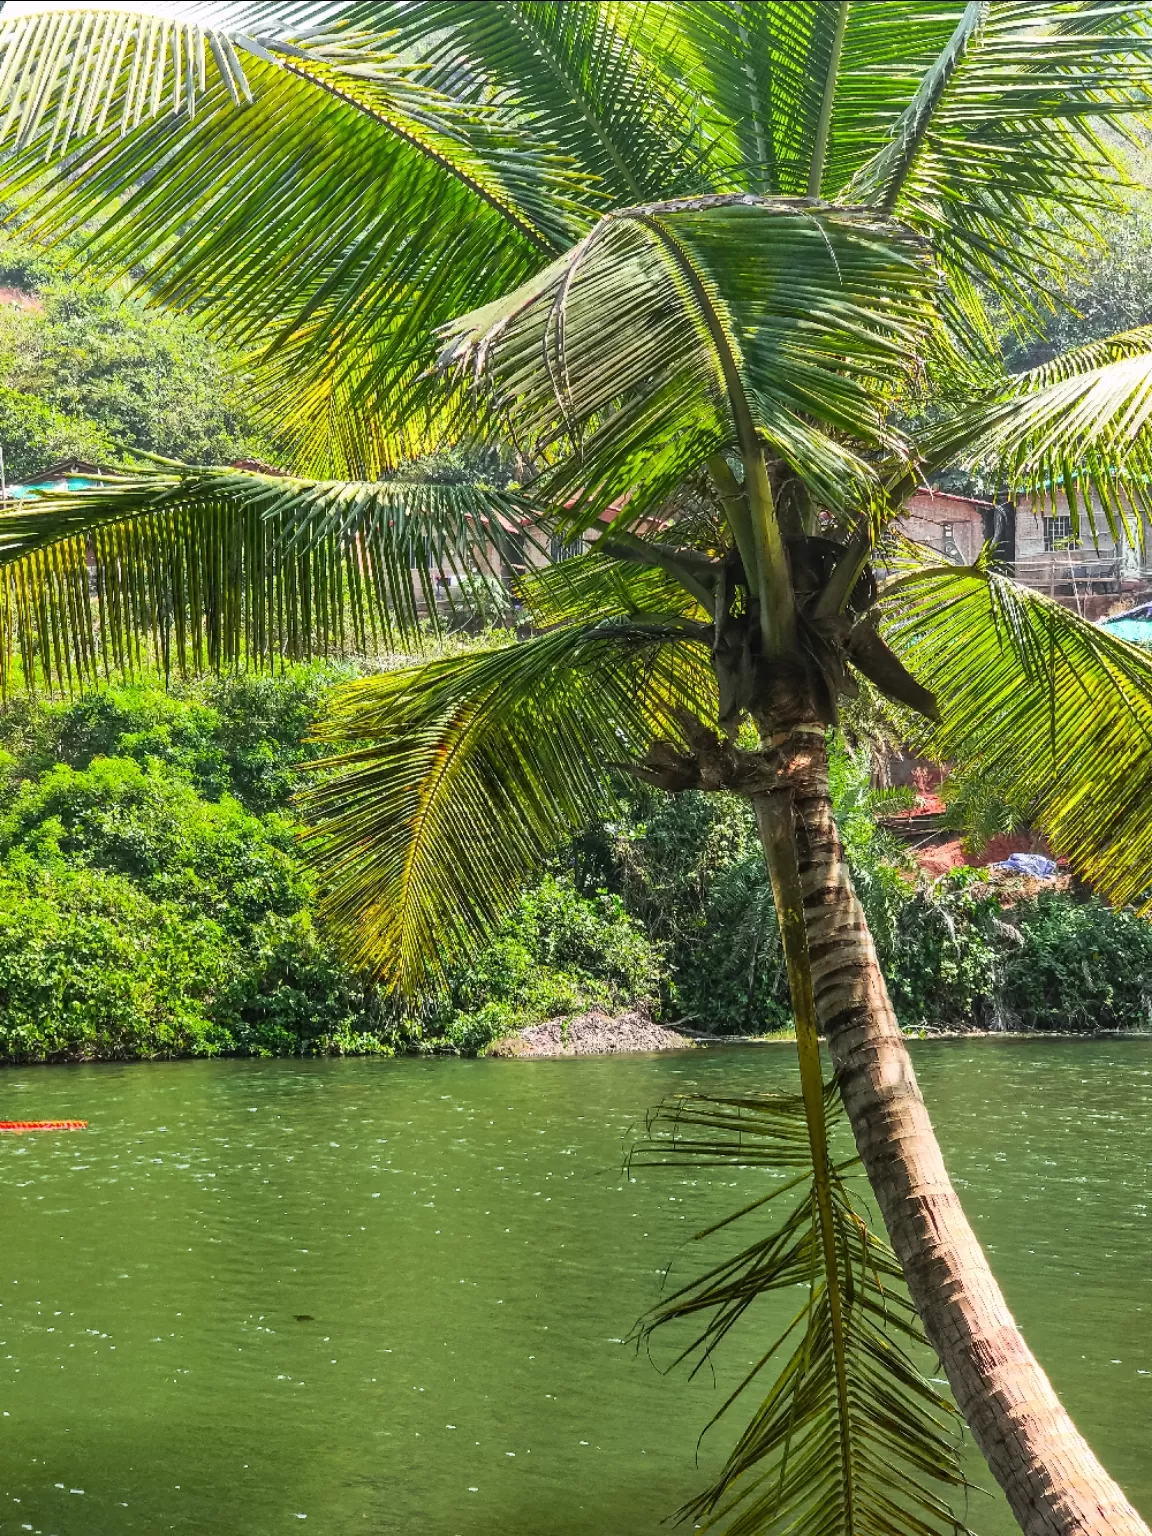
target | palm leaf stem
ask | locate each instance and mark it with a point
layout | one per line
(569, 80)
(695, 573)
(769, 573)
(891, 167)
(735, 508)
(828, 101)
(849, 567)
(776, 822)
(422, 144)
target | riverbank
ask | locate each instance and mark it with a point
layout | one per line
(595, 1033)
(155, 904)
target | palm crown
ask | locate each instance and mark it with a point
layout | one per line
(685, 236)
(692, 260)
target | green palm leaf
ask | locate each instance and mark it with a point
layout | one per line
(1000, 150)
(1056, 711)
(677, 329)
(1079, 424)
(210, 567)
(851, 1439)
(593, 79)
(329, 223)
(464, 774)
(594, 586)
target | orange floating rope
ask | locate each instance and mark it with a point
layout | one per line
(43, 1125)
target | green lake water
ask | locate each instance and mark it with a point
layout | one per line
(357, 1296)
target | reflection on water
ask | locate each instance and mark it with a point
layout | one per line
(390, 1296)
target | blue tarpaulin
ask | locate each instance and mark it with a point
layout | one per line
(1139, 631)
(65, 483)
(1034, 864)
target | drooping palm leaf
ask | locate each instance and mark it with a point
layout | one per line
(1079, 424)
(331, 222)
(676, 329)
(464, 774)
(1056, 712)
(594, 586)
(1000, 152)
(210, 567)
(850, 1439)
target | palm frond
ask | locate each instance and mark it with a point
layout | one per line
(595, 586)
(1053, 711)
(74, 71)
(1001, 149)
(760, 73)
(1078, 424)
(462, 775)
(592, 79)
(850, 1439)
(675, 329)
(328, 224)
(185, 569)
(887, 52)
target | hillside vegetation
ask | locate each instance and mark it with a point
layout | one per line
(153, 903)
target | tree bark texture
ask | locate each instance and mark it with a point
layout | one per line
(1053, 1481)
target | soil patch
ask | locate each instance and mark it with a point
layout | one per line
(590, 1034)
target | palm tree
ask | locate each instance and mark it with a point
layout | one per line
(691, 259)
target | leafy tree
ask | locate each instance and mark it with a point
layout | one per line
(90, 373)
(558, 953)
(1105, 289)
(34, 434)
(686, 257)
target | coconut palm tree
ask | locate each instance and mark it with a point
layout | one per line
(692, 260)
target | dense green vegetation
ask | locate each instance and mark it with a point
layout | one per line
(86, 373)
(153, 902)
(690, 869)
(151, 899)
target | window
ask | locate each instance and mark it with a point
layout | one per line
(422, 551)
(948, 545)
(559, 550)
(1058, 533)
(512, 553)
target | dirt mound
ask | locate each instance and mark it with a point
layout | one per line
(590, 1034)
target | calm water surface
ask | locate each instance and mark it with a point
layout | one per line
(390, 1296)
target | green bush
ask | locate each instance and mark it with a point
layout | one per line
(560, 953)
(35, 434)
(90, 968)
(1079, 965)
(689, 868)
(110, 369)
(148, 824)
(940, 946)
(155, 902)
(240, 734)
(151, 895)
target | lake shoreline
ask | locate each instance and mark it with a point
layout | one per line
(636, 1043)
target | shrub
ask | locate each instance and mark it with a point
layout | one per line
(152, 902)
(147, 823)
(240, 734)
(939, 945)
(559, 953)
(1079, 965)
(90, 968)
(146, 909)
(36, 434)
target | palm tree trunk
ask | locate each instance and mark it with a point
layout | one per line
(1053, 1482)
